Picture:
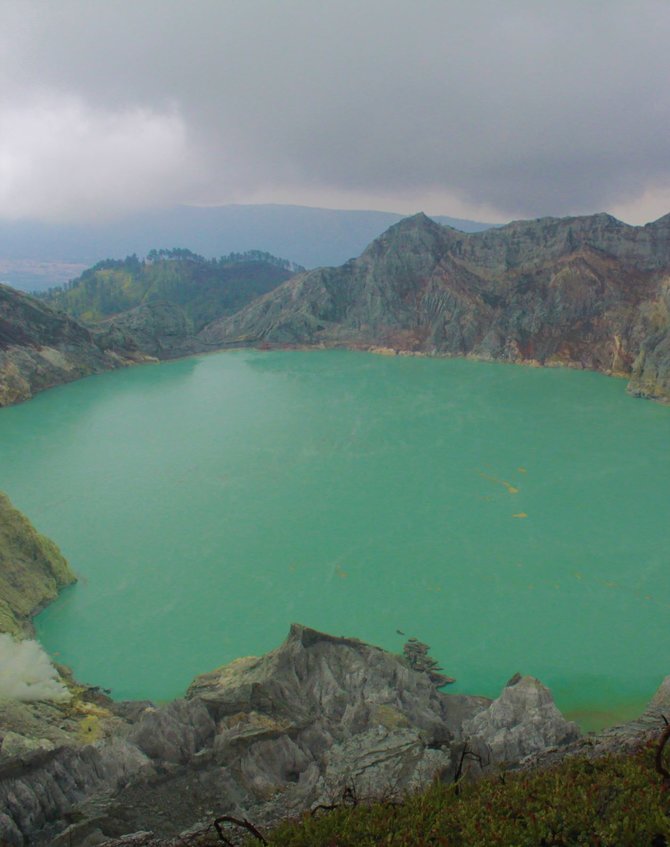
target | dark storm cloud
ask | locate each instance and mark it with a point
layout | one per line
(520, 108)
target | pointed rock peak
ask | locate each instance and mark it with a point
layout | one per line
(419, 229)
(299, 634)
(418, 221)
(420, 217)
(513, 680)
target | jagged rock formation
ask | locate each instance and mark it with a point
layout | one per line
(624, 738)
(263, 737)
(40, 348)
(523, 720)
(32, 570)
(587, 292)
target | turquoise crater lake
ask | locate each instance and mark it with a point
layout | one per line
(513, 518)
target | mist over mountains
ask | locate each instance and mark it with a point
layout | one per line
(36, 255)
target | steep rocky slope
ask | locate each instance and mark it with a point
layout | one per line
(318, 719)
(32, 570)
(262, 737)
(587, 292)
(40, 348)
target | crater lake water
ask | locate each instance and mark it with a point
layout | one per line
(515, 519)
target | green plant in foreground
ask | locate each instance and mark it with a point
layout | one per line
(615, 801)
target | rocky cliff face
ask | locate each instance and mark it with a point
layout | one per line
(40, 348)
(32, 570)
(587, 292)
(262, 737)
(162, 330)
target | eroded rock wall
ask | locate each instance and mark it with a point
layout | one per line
(265, 737)
(585, 292)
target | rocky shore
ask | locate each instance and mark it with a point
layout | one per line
(41, 348)
(319, 718)
(269, 737)
(261, 737)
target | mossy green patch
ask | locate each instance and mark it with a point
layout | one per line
(32, 570)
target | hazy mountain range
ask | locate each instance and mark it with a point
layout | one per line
(36, 255)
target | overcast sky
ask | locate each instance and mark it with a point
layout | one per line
(487, 110)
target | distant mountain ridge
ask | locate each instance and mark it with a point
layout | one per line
(159, 304)
(34, 256)
(587, 292)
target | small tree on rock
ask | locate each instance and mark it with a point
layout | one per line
(417, 657)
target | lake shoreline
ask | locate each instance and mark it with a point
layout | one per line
(497, 496)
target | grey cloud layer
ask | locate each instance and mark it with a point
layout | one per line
(528, 107)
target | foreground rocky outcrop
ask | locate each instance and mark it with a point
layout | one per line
(40, 348)
(261, 737)
(32, 570)
(587, 292)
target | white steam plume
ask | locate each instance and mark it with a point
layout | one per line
(26, 672)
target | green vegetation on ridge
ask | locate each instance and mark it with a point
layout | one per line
(204, 288)
(32, 569)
